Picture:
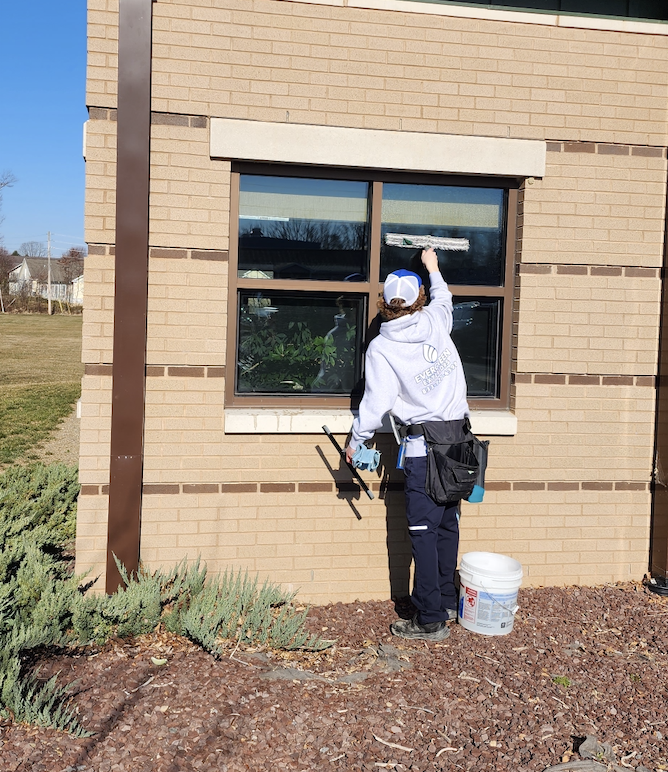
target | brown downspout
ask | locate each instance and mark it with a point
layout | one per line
(658, 556)
(131, 290)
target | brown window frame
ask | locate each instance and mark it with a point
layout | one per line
(372, 288)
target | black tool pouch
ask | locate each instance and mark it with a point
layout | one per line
(452, 466)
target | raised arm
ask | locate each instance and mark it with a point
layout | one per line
(438, 289)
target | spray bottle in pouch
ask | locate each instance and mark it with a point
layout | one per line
(401, 455)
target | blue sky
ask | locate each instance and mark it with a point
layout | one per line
(43, 108)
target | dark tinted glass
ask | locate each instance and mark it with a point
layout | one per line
(475, 332)
(476, 215)
(649, 9)
(635, 9)
(294, 228)
(295, 343)
(607, 7)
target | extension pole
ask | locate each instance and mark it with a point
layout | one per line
(342, 453)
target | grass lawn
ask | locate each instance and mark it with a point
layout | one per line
(40, 378)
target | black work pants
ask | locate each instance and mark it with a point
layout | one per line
(434, 532)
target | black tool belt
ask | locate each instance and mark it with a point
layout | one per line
(446, 431)
(452, 466)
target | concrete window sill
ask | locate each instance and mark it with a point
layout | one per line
(486, 423)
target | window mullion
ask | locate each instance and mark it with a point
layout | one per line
(299, 285)
(475, 289)
(374, 262)
(232, 297)
(509, 286)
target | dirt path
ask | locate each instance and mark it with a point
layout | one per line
(579, 661)
(62, 446)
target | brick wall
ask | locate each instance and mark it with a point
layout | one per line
(568, 495)
(347, 66)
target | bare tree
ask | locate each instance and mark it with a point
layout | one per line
(7, 263)
(77, 252)
(71, 264)
(33, 249)
(7, 179)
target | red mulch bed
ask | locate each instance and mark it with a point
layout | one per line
(376, 702)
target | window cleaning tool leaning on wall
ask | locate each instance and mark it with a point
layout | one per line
(414, 372)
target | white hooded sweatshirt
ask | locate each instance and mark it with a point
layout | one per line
(413, 370)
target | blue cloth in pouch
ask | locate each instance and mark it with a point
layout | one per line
(365, 458)
(476, 495)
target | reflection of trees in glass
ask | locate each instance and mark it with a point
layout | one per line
(328, 234)
(337, 368)
(481, 264)
(291, 358)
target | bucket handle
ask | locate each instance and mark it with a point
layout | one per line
(512, 611)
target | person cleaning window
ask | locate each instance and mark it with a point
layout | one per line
(413, 371)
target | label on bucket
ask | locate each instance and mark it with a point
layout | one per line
(469, 603)
(487, 613)
(496, 610)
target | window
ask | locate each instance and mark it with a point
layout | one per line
(654, 10)
(309, 250)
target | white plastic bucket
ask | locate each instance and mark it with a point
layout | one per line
(488, 592)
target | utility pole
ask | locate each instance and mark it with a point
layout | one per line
(48, 262)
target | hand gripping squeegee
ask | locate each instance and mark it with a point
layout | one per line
(342, 453)
(426, 242)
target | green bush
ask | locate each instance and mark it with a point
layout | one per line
(42, 604)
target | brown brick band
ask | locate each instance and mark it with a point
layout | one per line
(201, 488)
(98, 370)
(630, 271)
(592, 485)
(101, 249)
(162, 371)
(157, 119)
(202, 254)
(604, 148)
(160, 488)
(351, 487)
(563, 379)
(167, 253)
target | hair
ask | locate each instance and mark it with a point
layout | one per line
(396, 307)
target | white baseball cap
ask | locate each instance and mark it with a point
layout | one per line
(402, 284)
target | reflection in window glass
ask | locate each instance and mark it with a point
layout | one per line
(476, 214)
(291, 343)
(295, 228)
(641, 9)
(475, 332)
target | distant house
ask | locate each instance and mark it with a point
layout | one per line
(77, 288)
(32, 275)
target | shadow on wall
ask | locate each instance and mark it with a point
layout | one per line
(391, 493)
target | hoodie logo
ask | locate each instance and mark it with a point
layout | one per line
(440, 368)
(429, 353)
